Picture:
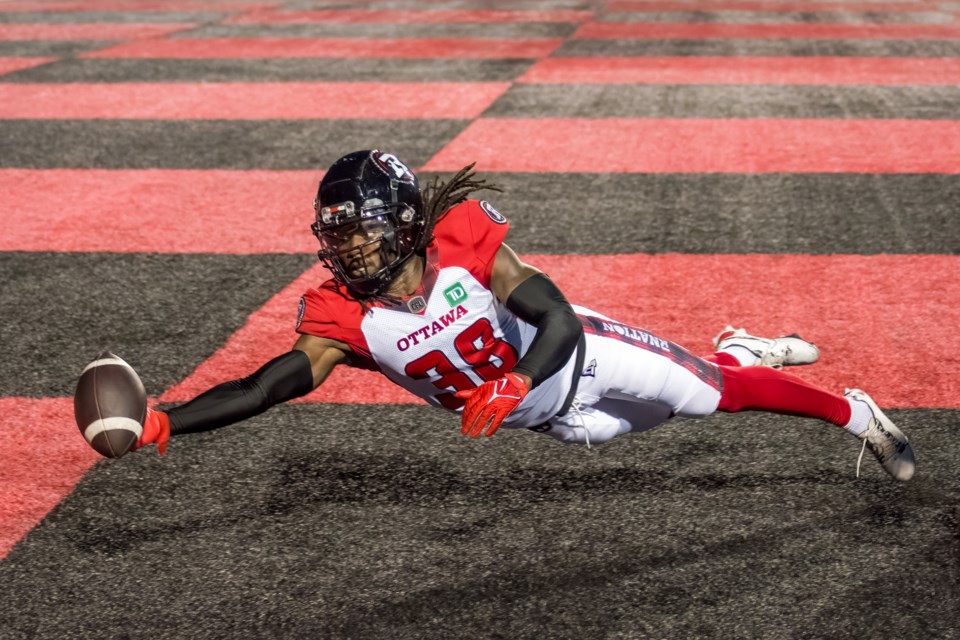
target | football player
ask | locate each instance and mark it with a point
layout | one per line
(425, 291)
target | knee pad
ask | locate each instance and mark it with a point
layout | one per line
(564, 433)
(587, 425)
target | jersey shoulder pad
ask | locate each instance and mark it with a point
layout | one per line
(328, 311)
(469, 236)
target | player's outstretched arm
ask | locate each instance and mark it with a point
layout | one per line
(534, 298)
(286, 377)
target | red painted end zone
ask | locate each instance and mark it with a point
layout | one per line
(44, 456)
(882, 322)
(87, 31)
(370, 16)
(695, 31)
(236, 101)
(331, 48)
(705, 146)
(15, 64)
(747, 70)
(158, 211)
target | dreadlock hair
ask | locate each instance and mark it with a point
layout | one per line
(439, 197)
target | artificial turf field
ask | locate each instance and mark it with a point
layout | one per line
(784, 165)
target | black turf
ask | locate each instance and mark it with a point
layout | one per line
(730, 214)
(48, 48)
(524, 30)
(274, 70)
(61, 310)
(783, 17)
(383, 522)
(213, 144)
(727, 101)
(109, 17)
(766, 47)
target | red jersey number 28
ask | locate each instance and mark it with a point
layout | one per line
(488, 356)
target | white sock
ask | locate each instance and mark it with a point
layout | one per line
(744, 356)
(860, 416)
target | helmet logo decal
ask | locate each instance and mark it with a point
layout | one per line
(391, 165)
(492, 213)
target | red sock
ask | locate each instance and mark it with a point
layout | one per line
(766, 389)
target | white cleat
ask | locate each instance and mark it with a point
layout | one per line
(787, 351)
(885, 440)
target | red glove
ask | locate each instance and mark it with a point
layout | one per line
(490, 403)
(156, 429)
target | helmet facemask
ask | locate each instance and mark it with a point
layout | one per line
(366, 249)
(369, 220)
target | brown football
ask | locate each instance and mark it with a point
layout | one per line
(110, 405)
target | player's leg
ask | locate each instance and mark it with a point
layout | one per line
(629, 385)
(767, 389)
(737, 348)
(631, 364)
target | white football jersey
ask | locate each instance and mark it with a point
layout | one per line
(452, 334)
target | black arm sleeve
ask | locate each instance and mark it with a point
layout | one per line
(538, 301)
(283, 378)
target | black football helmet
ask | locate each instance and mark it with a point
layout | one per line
(368, 198)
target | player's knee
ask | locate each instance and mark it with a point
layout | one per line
(563, 433)
(699, 404)
(576, 434)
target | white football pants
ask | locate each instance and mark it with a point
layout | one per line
(633, 381)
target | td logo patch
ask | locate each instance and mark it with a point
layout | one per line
(455, 294)
(492, 213)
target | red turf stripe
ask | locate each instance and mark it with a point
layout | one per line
(15, 64)
(331, 48)
(44, 456)
(370, 16)
(158, 211)
(227, 101)
(694, 31)
(882, 322)
(705, 146)
(747, 70)
(86, 31)
(767, 5)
